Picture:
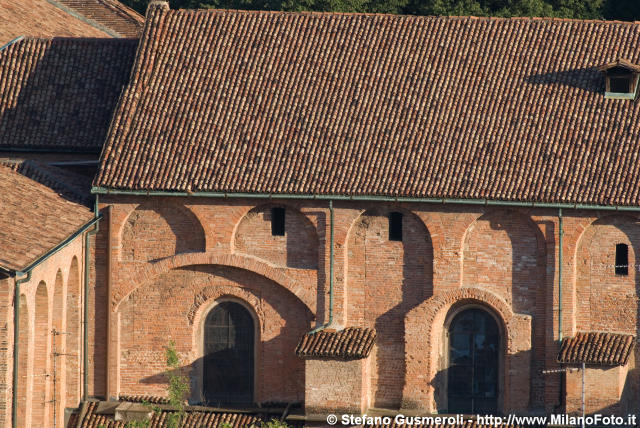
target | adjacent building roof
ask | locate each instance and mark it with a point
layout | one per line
(67, 18)
(355, 104)
(59, 94)
(41, 18)
(349, 344)
(34, 218)
(117, 19)
(609, 349)
(91, 415)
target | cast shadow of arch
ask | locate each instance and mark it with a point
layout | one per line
(529, 262)
(182, 222)
(417, 286)
(301, 237)
(195, 369)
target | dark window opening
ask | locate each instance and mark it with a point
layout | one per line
(621, 85)
(395, 226)
(622, 259)
(474, 358)
(228, 359)
(277, 221)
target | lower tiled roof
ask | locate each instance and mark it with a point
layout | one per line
(35, 217)
(113, 15)
(610, 349)
(197, 417)
(41, 18)
(350, 343)
(72, 186)
(154, 399)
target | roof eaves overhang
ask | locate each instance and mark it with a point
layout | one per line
(372, 198)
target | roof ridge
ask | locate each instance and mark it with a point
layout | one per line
(123, 9)
(83, 18)
(436, 17)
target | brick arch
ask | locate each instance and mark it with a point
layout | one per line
(595, 279)
(385, 280)
(59, 324)
(305, 294)
(154, 230)
(297, 249)
(424, 336)
(204, 302)
(383, 210)
(505, 251)
(24, 333)
(42, 343)
(73, 330)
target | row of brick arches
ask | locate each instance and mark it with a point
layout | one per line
(49, 347)
(474, 349)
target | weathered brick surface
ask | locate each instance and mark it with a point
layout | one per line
(451, 256)
(607, 390)
(46, 302)
(349, 386)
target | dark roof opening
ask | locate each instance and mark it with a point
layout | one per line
(621, 79)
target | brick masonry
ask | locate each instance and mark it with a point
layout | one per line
(450, 256)
(160, 264)
(50, 300)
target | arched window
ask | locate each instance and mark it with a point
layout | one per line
(228, 355)
(474, 358)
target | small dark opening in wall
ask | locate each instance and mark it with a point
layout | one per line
(277, 221)
(395, 226)
(621, 85)
(622, 259)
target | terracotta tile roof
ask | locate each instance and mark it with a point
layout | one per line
(60, 93)
(197, 417)
(33, 217)
(115, 16)
(608, 349)
(72, 186)
(349, 344)
(353, 104)
(154, 399)
(41, 18)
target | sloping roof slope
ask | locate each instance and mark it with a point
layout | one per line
(60, 93)
(351, 343)
(608, 349)
(352, 104)
(67, 18)
(40, 18)
(34, 218)
(113, 15)
(196, 417)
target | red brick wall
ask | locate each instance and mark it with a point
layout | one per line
(385, 280)
(506, 258)
(298, 248)
(171, 307)
(155, 231)
(40, 357)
